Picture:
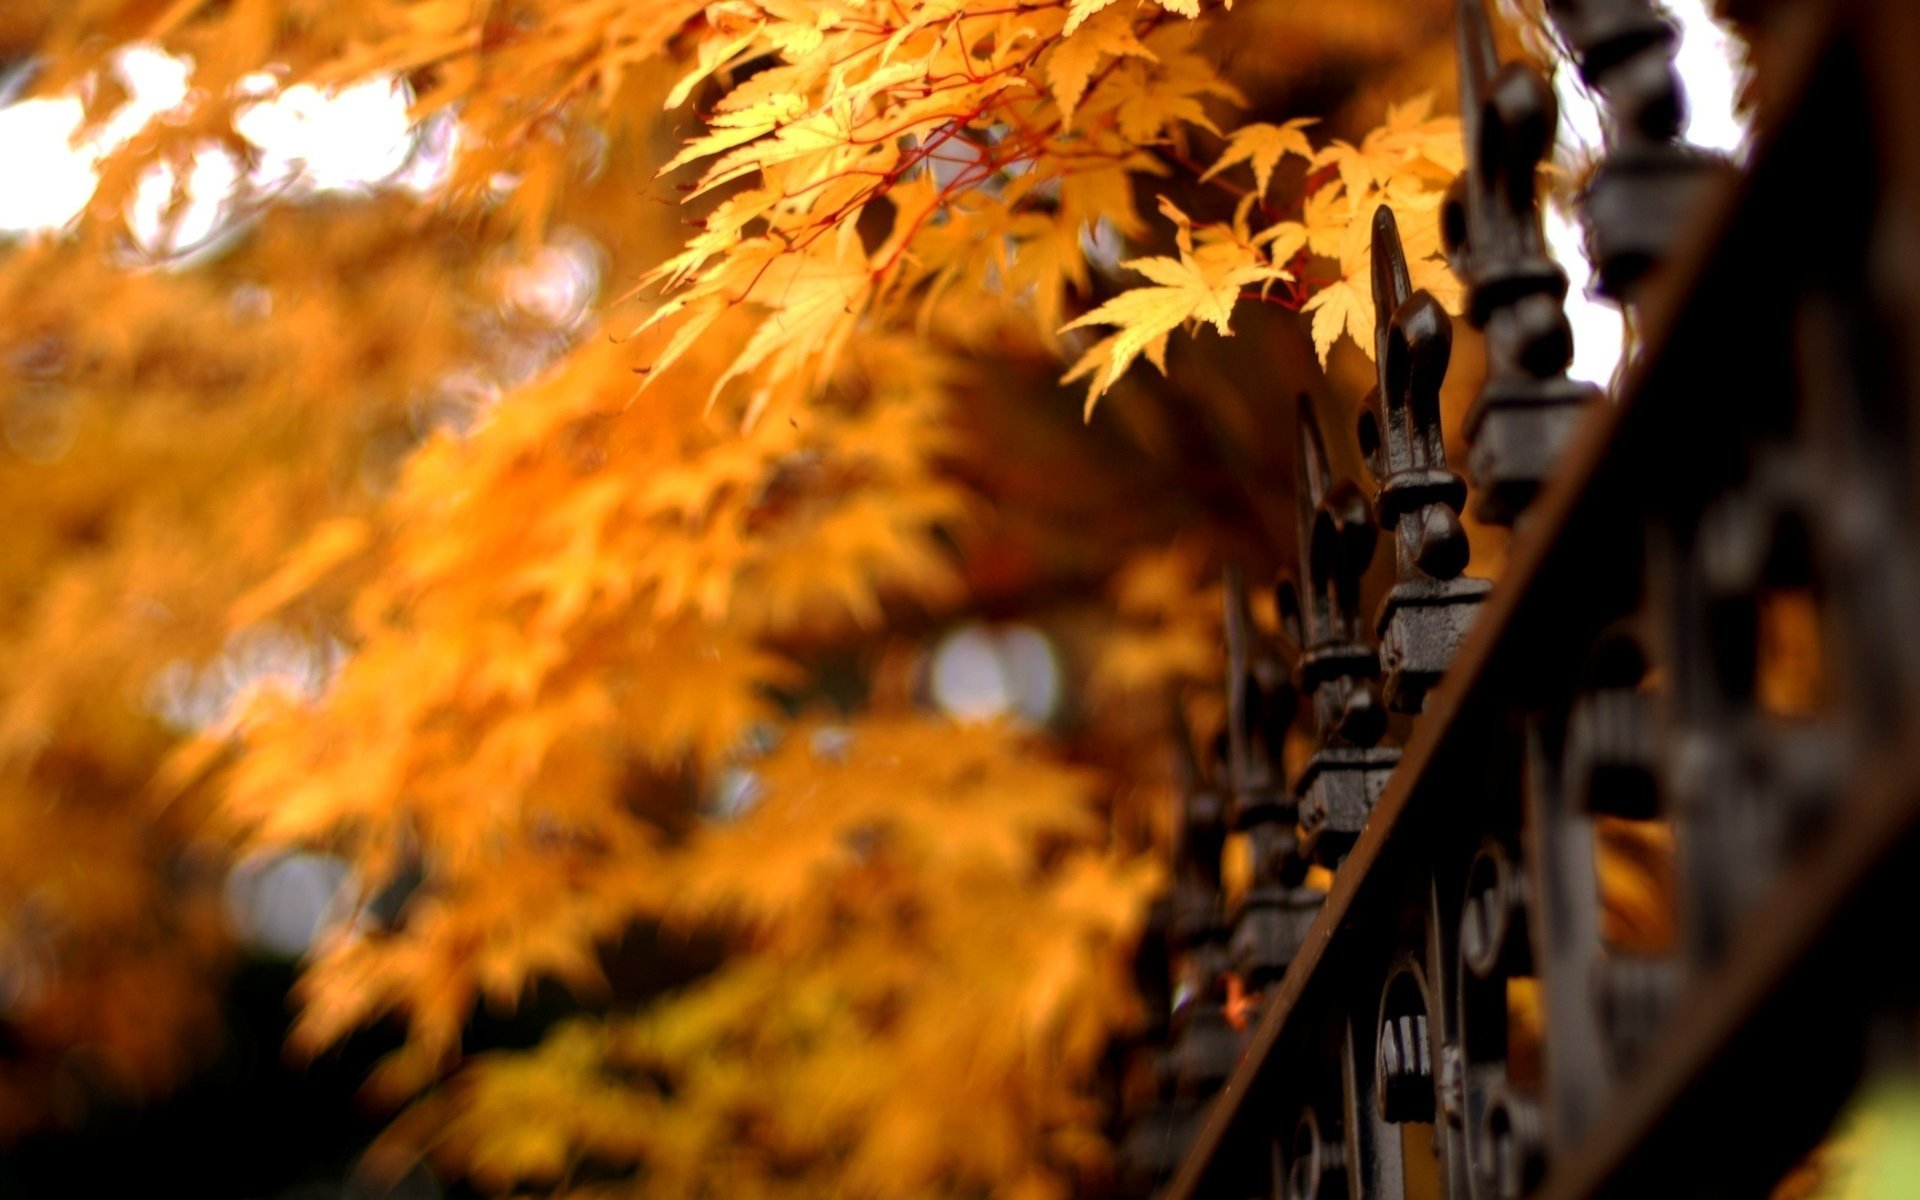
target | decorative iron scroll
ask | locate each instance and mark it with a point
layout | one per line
(1473, 1013)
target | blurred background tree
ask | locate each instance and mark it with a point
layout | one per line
(565, 518)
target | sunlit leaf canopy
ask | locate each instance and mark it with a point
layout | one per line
(548, 468)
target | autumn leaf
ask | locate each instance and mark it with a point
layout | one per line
(1109, 34)
(1345, 306)
(394, 529)
(332, 544)
(1263, 146)
(1200, 287)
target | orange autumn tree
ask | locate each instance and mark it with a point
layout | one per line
(555, 625)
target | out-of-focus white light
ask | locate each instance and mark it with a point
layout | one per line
(192, 699)
(968, 681)
(1032, 670)
(55, 170)
(1582, 126)
(163, 231)
(436, 144)
(156, 83)
(736, 793)
(559, 284)
(280, 904)
(459, 402)
(250, 302)
(832, 743)
(979, 674)
(1599, 329)
(1709, 61)
(1103, 245)
(51, 181)
(308, 140)
(345, 139)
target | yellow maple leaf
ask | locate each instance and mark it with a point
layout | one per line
(1173, 91)
(1096, 365)
(1327, 214)
(1412, 131)
(1346, 306)
(1200, 286)
(1264, 145)
(735, 128)
(1079, 12)
(1412, 148)
(1070, 67)
(739, 20)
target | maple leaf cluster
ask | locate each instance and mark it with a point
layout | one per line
(337, 549)
(990, 181)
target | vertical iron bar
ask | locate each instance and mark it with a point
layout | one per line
(1528, 408)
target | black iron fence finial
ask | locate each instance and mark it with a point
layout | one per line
(1426, 614)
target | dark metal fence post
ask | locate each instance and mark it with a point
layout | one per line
(1427, 612)
(1204, 1043)
(1528, 408)
(1338, 668)
(1273, 915)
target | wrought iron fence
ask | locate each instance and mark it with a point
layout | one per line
(1453, 1016)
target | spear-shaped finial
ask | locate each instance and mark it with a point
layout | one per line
(1337, 537)
(1339, 669)
(1261, 702)
(1420, 497)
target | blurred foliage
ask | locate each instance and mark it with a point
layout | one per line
(375, 524)
(1872, 1155)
